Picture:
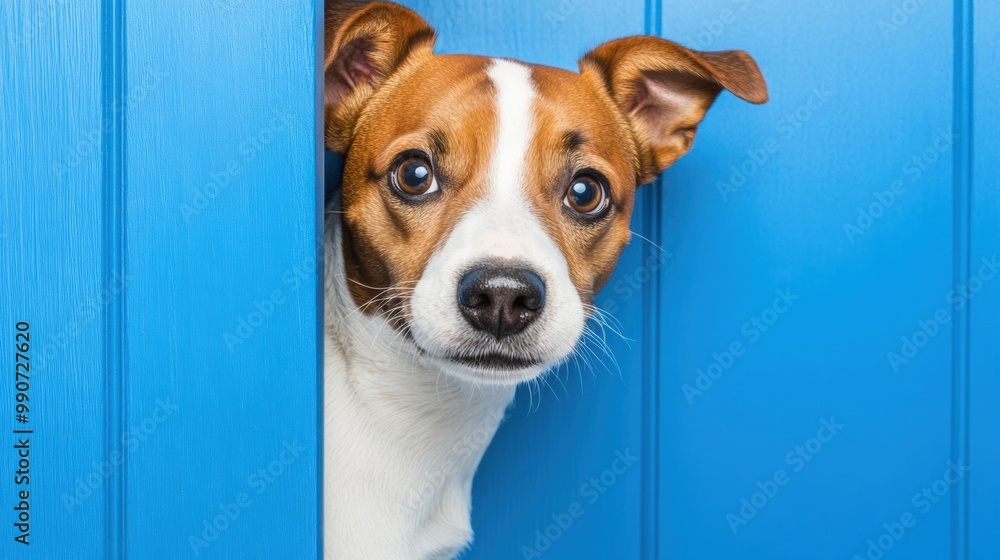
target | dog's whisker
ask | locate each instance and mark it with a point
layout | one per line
(603, 315)
(599, 339)
(544, 379)
(605, 319)
(647, 240)
(382, 288)
(361, 308)
(606, 349)
(399, 333)
(561, 382)
(532, 385)
(382, 299)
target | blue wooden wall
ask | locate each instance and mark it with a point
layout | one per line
(813, 263)
(159, 163)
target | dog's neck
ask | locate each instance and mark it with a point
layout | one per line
(403, 439)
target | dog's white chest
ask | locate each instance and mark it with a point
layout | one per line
(402, 441)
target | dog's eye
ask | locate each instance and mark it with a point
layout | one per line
(414, 177)
(587, 195)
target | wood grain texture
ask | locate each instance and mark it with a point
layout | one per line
(51, 251)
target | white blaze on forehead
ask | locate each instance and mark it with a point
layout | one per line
(515, 95)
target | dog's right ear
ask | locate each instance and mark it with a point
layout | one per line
(365, 43)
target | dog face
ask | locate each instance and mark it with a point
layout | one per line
(486, 201)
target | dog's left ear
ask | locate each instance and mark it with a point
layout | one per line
(366, 42)
(665, 89)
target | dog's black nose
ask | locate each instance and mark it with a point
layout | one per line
(501, 300)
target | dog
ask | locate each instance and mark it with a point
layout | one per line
(485, 201)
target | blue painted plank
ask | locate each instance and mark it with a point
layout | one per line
(222, 315)
(561, 435)
(51, 251)
(984, 306)
(785, 215)
(960, 298)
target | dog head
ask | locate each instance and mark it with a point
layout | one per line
(486, 201)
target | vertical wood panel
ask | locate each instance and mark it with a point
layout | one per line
(984, 310)
(962, 193)
(51, 250)
(766, 202)
(222, 312)
(114, 111)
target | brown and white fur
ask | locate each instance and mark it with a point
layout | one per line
(439, 303)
